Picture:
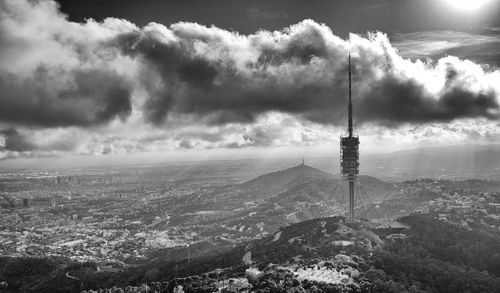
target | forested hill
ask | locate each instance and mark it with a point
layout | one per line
(319, 255)
(305, 177)
(281, 179)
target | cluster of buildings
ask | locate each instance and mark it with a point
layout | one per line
(106, 218)
(86, 238)
(464, 202)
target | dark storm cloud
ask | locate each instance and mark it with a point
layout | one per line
(407, 101)
(88, 97)
(70, 74)
(18, 141)
(222, 77)
(14, 141)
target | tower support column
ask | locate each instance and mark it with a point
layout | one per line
(351, 199)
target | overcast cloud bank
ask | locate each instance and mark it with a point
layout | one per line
(188, 85)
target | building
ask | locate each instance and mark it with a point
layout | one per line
(391, 227)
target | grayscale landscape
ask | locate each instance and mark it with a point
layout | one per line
(249, 146)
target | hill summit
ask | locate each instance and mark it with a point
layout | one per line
(309, 179)
(287, 177)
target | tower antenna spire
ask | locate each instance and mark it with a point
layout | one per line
(350, 99)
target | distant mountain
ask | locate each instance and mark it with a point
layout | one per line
(300, 193)
(314, 183)
(284, 178)
(465, 161)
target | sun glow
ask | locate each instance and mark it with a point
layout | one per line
(468, 5)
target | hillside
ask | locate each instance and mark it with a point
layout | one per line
(305, 177)
(332, 255)
(281, 179)
(297, 194)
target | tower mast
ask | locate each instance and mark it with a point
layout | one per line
(349, 153)
(351, 178)
(350, 99)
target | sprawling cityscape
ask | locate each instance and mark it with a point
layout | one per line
(123, 217)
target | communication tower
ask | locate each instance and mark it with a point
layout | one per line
(349, 161)
(349, 154)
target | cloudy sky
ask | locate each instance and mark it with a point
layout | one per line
(226, 77)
